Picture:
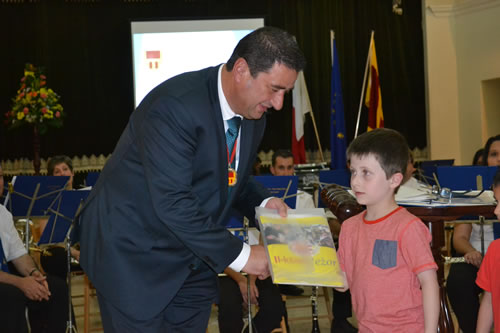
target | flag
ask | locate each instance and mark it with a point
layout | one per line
(301, 106)
(373, 98)
(337, 121)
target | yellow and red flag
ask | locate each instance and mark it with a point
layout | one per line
(373, 98)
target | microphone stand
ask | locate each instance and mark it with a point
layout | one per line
(70, 327)
(249, 303)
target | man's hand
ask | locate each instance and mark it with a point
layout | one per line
(278, 204)
(35, 287)
(254, 292)
(257, 263)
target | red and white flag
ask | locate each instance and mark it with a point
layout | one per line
(301, 106)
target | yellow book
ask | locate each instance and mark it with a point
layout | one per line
(300, 247)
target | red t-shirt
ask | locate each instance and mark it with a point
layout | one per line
(381, 260)
(488, 279)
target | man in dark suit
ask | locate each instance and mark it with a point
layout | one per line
(152, 230)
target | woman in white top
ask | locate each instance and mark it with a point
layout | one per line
(463, 292)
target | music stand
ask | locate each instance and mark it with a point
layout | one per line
(427, 169)
(31, 196)
(91, 178)
(466, 177)
(66, 208)
(284, 187)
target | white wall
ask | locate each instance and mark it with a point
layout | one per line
(462, 51)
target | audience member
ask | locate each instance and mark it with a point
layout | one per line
(282, 165)
(61, 165)
(478, 157)
(385, 251)
(463, 292)
(488, 277)
(257, 166)
(46, 297)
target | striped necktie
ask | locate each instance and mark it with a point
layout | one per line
(233, 127)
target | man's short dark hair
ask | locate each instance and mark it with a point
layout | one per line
(388, 146)
(56, 160)
(283, 153)
(266, 46)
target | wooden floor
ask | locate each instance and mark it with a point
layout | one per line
(298, 308)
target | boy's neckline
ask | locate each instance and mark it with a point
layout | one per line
(380, 219)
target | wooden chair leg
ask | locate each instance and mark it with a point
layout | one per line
(86, 304)
(328, 304)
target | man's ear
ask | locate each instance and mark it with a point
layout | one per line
(396, 179)
(241, 69)
(272, 170)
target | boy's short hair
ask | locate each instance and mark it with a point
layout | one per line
(388, 146)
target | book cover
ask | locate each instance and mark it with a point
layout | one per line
(300, 247)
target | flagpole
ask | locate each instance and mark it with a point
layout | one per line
(317, 136)
(364, 83)
(332, 37)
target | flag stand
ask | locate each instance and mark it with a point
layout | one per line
(364, 83)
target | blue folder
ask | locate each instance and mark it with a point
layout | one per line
(91, 178)
(62, 214)
(464, 177)
(429, 168)
(24, 188)
(278, 185)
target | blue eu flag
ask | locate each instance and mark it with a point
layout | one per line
(337, 122)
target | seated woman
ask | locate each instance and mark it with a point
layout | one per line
(463, 292)
(55, 263)
(61, 165)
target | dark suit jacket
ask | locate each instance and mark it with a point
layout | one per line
(158, 208)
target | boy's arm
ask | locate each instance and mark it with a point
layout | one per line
(430, 295)
(485, 318)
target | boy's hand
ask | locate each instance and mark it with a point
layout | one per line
(346, 285)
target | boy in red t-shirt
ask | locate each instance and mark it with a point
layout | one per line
(488, 277)
(385, 252)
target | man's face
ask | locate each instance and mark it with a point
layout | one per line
(266, 90)
(283, 167)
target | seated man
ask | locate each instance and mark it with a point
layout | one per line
(233, 299)
(46, 297)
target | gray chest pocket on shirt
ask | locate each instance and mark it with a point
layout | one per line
(385, 253)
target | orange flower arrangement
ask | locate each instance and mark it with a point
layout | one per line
(35, 104)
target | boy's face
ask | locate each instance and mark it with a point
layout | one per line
(369, 182)
(496, 192)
